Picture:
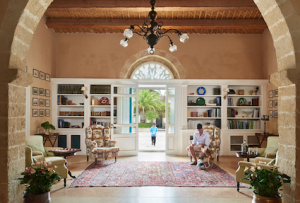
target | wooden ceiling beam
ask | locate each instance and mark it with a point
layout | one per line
(168, 23)
(146, 4)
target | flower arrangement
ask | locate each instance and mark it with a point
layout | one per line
(265, 182)
(39, 178)
(48, 127)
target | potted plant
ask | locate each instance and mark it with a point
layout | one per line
(265, 182)
(38, 180)
(48, 127)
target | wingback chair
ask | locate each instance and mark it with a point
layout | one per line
(98, 143)
(215, 142)
(240, 174)
(35, 151)
(271, 149)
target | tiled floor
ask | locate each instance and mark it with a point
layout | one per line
(145, 143)
(76, 164)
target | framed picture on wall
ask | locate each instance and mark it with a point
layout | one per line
(35, 113)
(35, 91)
(35, 73)
(42, 91)
(275, 103)
(42, 112)
(47, 77)
(42, 102)
(271, 94)
(42, 75)
(47, 112)
(47, 93)
(35, 101)
(47, 103)
(270, 114)
(276, 93)
(276, 114)
(271, 104)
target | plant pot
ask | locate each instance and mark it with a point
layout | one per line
(47, 131)
(262, 199)
(40, 198)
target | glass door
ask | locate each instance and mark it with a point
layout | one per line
(124, 118)
(171, 120)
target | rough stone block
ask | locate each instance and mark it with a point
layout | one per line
(13, 154)
(287, 135)
(24, 35)
(288, 62)
(19, 50)
(287, 119)
(15, 169)
(17, 94)
(17, 62)
(15, 109)
(16, 138)
(284, 46)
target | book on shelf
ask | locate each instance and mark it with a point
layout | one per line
(233, 113)
(245, 124)
(193, 123)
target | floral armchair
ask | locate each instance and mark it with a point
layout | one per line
(98, 144)
(215, 142)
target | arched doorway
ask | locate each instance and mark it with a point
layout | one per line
(18, 25)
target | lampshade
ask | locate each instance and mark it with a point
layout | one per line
(124, 42)
(173, 47)
(184, 37)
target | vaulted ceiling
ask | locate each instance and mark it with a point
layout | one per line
(190, 16)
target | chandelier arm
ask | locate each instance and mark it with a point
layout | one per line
(166, 36)
(138, 33)
(178, 31)
(142, 29)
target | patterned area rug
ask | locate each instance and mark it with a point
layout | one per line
(140, 173)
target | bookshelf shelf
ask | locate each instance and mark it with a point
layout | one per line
(105, 117)
(67, 106)
(204, 95)
(102, 106)
(234, 118)
(70, 116)
(100, 94)
(203, 118)
(244, 107)
(71, 94)
(243, 95)
(204, 106)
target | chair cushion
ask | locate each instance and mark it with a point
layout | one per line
(55, 160)
(35, 142)
(106, 149)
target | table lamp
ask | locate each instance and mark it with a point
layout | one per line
(265, 118)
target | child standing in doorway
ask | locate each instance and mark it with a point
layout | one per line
(153, 131)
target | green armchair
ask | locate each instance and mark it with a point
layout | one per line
(35, 151)
(240, 172)
(271, 149)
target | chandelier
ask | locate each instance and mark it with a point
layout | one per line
(152, 32)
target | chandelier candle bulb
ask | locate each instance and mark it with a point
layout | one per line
(173, 47)
(184, 37)
(128, 33)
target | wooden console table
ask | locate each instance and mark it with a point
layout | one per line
(261, 137)
(52, 136)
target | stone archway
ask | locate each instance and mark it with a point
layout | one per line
(18, 24)
(160, 56)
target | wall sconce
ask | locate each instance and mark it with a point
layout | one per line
(226, 90)
(84, 89)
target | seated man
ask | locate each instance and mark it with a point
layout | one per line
(201, 142)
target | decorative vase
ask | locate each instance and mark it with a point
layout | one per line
(262, 199)
(48, 131)
(40, 198)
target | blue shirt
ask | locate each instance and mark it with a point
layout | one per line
(203, 139)
(153, 131)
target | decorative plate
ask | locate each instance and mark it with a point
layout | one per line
(104, 100)
(200, 101)
(242, 101)
(201, 91)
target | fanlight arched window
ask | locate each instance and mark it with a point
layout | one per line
(152, 71)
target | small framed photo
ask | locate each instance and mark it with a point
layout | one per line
(35, 101)
(47, 93)
(275, 103)
(42, 75)
(35, 113)
(42, 91)
(270, 114)
(35, 91)
(35, 73)
(42, 102)
(47, 112)
(276, 114)
(276, 93)
(271, 94)
(47, 77)
(47, 102)
(42, 112)
(271, 104)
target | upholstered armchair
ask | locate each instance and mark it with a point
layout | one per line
(271, 149)
(99, 145)
(35, 151)
(215, 142)
(240, 174)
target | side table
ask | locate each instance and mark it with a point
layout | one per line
(53, 136)
(246, 155)
(65, 152)
(261, 137)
